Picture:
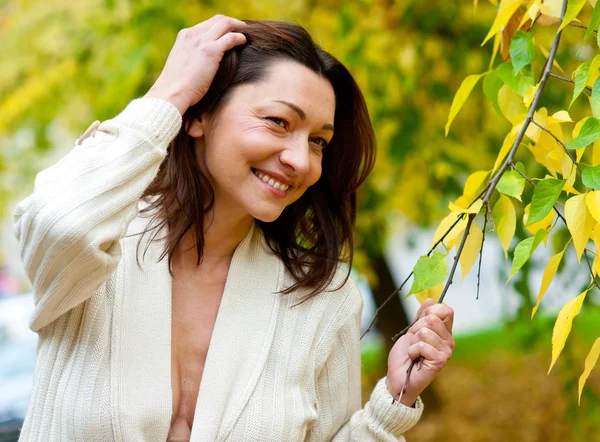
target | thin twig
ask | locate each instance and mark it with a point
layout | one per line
(515, 168)
(559, 142)
(456, 258)
(450, 276)
(389, 298)
(399, 289)
(487, 210)
(590, 267)
(575, 25)
(568, 80)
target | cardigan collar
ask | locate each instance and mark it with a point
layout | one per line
(239, 344)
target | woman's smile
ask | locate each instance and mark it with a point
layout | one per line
(276, 187)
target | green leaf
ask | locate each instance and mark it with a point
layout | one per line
(518, 83)
(596, 95)
(545, 195)
(593, 22)
(429, 272)
(461, 96)
(511, 184)
(590, 132)
(581, 78)
(491, 87)
(591, 177)
(522, 50)
(524, 250)
(573, 9)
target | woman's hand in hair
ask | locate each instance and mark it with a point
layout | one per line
(430, 338)
(194, 60)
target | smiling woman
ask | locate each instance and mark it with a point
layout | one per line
(272, 108)
(245, 156)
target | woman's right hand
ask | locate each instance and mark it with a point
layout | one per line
(194, 60)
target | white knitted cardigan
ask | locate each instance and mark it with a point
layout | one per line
(103, 371)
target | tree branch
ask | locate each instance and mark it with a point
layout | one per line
(496, 179)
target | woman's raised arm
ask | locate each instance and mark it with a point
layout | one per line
(69, 228)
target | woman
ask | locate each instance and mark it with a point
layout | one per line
(240, 165)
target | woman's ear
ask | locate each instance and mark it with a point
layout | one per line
(196, 129)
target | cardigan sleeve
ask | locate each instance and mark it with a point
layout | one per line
(340, 416)
(68, 230)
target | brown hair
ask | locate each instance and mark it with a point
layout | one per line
(314, 234)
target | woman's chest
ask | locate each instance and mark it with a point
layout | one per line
(194, 312)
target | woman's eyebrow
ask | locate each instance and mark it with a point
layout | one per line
(302, 114)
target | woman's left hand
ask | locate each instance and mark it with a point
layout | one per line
(431, 338)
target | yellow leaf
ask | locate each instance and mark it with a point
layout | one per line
(445, 225)
(545, 223)
(592, 200)
(470, 250)
(530, 94)
(505, 11)
(549, 273)
(506, 145)
(579, 221)
(433, 293)
(511, 105)
(540, 117)
(473, 185)
(461, 96)
(571, 178)
(546, 54)
(596, 153)
(475, 182)
(563, 325)
(494, 51)
(590, 361)
(578, 126)
(505, 219)
(560, 117)
(475, 207)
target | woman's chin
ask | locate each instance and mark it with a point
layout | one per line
(267, 216)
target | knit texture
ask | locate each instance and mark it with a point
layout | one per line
(273, 372)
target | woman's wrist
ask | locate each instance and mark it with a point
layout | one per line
(407, 399)
(171, 95)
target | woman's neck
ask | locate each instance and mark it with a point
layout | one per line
(223, 232)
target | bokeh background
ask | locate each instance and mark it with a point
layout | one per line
(65, 64)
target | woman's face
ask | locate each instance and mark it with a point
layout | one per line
(263, 147)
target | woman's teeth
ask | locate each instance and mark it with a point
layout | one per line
(271, 181)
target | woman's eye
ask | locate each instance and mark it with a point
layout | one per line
(320, 142)
(278, 121)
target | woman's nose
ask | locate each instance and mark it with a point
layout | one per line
(296, 156)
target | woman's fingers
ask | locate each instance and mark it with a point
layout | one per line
(438, 358)
(444, 312)
(224, 26)
(229, 41)
(431, 323)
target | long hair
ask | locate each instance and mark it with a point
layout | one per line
(313, 235)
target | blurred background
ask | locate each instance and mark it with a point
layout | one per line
(65, 64)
